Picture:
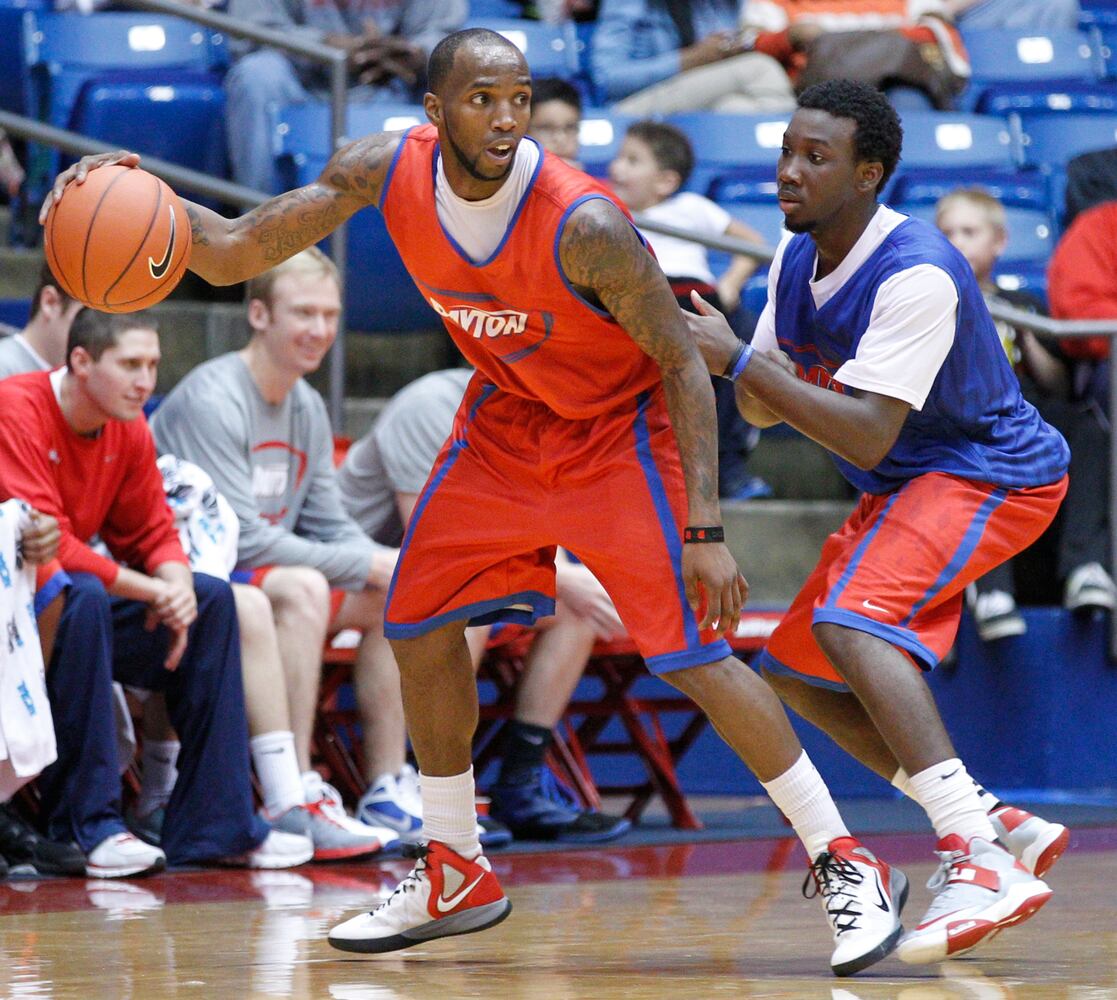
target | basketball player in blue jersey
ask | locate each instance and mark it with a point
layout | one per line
(876, 343)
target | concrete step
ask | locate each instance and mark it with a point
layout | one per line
(776, 542)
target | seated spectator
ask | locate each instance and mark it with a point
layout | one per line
(650, 168)
(250, 420)
(556, 115)
(380, 482)
(28, 541)
(209, 531)
(387, 44)
(974, 221)
(73, 444)
(1091, 179)
(41, 345)
(658, 57)
(1082, 284)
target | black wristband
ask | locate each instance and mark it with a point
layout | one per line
(704, 533)
(733, 359)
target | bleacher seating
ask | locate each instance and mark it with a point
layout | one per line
(1053, 140)
(379, 293)
(599, 139)
(145, 82)
(735, 155)
(14, 29)
(550, 50)
(1004, 62)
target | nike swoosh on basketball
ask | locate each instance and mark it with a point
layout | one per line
(160, 269)
(446, 905)
(874, 607)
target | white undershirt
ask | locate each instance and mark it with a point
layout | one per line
(479, 226)
(911, 327)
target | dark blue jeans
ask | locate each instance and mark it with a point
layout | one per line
(101, 639)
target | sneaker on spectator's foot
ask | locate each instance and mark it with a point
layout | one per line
(979, 890)
(1033, 841)
(1090, 586)
(278, 849)
(323, 819)
(392, 801)
(863, 898)
(28, 852)
(123, 855)
(542, 808)
(997, 616)
(149, 826)
(445, 894)
(491, 833)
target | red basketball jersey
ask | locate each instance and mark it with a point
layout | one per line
(515, 316)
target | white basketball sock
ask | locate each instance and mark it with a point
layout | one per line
(277, 767)
(989, 801)
(949, 796)
(450, 812)
(804, 799)
(158, 766)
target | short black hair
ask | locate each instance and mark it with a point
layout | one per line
(98, 331)
(669, 145)
(46, 280)
(441, 62)
(879, 134)
(554, 88)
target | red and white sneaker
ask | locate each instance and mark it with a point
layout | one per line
(980, 890)
(1033, 841)
(444, 895)
(863, 898)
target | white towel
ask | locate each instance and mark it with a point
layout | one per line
(26, 727)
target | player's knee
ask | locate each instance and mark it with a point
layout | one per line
(300, 590)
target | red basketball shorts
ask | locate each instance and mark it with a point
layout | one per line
(898, 566)
(513, 482)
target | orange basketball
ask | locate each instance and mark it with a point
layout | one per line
(118, 242)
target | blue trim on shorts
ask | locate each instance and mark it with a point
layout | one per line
(666, 519)
(480, 613)
(855, 559)
(766, 661)
(896, 635)
(962, 554)
(58, 582)
(710, 653)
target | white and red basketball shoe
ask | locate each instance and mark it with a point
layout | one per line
(863, 898)
(445, 894)
(1033, 841)
(980, 889)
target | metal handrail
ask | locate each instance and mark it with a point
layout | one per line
(336, 62)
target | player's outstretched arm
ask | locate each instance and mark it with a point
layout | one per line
(602, 255)
(226, 251)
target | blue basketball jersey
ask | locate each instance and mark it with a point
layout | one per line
(974, 423)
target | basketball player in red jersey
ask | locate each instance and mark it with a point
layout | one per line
(589, 424)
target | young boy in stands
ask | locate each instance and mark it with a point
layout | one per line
(652, 166)
(556, 117)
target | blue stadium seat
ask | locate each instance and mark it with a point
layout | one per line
(599, 139)
(1025, 99)
(765, 217)
(1002, 60)
(1052, 140)
(148, 82)
(487, 9)
(735, 155)
(1022, 276)
(15, 312)
(15, 27)
(380, 295)
(551, 50)
(1021, 189)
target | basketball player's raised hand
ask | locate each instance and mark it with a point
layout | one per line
(78, 172)
(712, 334)
(715, 588)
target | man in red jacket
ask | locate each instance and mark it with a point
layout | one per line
(73, 444)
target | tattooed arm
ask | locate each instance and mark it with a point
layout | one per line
(602, 256)
(226, 251)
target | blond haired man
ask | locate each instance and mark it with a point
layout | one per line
(253, 423)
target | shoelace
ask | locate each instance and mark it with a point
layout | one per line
(947, 860)
(831, 876)
(417, 852)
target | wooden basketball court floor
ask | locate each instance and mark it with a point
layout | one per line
(712, 919)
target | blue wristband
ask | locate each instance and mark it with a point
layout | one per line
(741, 360)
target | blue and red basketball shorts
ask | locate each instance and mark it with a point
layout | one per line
(513, 482)
(898, 567)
